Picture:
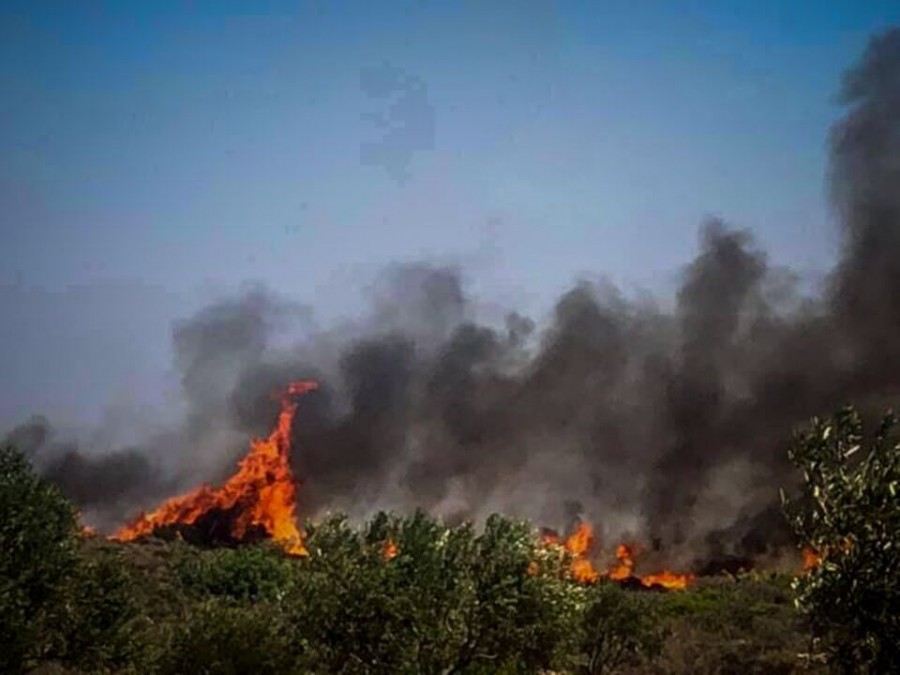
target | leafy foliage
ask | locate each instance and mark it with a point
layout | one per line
(250, 573)
(222, 638)
(745, 624)
(99, 619)
(849, 513)
(449, 600)
(617, 630)
(37, 556)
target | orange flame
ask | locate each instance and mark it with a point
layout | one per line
(389, 550)
(811, 559)
(668, 580)
(625, 563)
(263, 489)
(579, 544)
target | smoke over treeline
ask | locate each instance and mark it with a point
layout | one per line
(660, 421)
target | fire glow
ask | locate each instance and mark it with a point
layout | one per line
(579, 543)
(262, 493)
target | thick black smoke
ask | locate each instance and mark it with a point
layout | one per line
(866, 188)
(123, 477)
(663, 422)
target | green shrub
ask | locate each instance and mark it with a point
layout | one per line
(745, 625)
(219, 637)
(250, 573)
(618, 628)
(450, 600)
(849, 512)
(37, 556)
(99, 617)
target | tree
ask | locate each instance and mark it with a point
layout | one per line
(37, 557)
(618, 628)
(411, 595)
(98, 619)
(221, 637)
(848, 513)
(250, 573)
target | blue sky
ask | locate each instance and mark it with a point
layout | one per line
(156, 155)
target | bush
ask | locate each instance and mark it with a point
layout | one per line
(449, 600)
(252, 573)
(218, 637)
(37, 541)
(849, 513)
(743, 625)
(99, 617)
(618, 629)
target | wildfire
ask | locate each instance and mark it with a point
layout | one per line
(261, 495)
(259, 500)
(624, 568)
(668, 580)
(811, 559)
(579, 544)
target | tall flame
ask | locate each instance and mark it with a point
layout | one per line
(262, 492)
(579, 545)
(624, 567)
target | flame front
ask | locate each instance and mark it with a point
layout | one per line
(624, 567)
(668, 580)
(579, 545)
(262, 491)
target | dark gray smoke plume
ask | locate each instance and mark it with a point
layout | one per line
(663, 423)
(866, 182)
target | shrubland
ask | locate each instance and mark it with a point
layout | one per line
(408, 594)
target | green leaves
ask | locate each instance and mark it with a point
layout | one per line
(37, 556)
(617, 630)
(449, 600)
(849, 514)
(251, 573)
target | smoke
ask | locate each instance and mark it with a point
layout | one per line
(865, 180)
(94, 482)
(662, 421)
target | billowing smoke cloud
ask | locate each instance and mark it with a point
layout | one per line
(123, 477)
(866, 176)
(662, 421)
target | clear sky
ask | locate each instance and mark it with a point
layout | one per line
(154, 155)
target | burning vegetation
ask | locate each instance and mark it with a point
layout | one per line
(579, 546)
(257, 502)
